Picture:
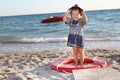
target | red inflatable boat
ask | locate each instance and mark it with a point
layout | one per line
(67, 64)
(52, 19)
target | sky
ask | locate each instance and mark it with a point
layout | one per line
(22, 7)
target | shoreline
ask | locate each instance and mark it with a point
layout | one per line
(36, 47)
(28, 65)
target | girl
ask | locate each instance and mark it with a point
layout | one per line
(76, 21)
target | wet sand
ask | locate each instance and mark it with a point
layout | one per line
(36, 65)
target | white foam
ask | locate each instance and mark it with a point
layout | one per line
(55, 39)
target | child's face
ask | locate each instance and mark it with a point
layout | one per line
(75, 15)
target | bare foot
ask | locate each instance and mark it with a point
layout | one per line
(81, 64)
(76, 64)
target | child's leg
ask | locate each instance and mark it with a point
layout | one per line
(75, 50)
(81, 53)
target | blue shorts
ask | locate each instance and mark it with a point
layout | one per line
(75, 40)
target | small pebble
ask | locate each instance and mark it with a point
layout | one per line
(7, 70)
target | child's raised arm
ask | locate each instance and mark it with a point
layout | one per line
(66, 16)
(85, 19)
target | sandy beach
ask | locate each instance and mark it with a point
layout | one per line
(36, 65)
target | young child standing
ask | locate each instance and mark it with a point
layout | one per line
(76, 21)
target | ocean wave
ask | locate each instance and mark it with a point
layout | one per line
(103, 39)
(34, 40)
(7, 39)
(50, 40)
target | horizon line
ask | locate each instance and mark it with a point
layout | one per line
(55, 12)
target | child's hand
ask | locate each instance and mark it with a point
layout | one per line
(68, 11)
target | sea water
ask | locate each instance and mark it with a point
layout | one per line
(27, 33)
